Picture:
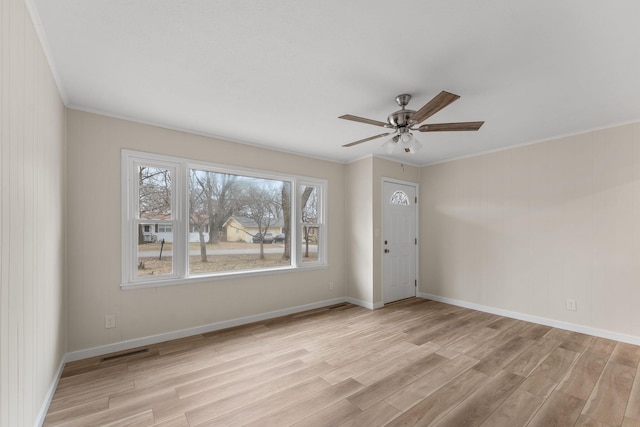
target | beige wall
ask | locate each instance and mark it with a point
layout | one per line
(359, 231)
(94, 143)
(528, 228)
(32, 287)
(364, 216)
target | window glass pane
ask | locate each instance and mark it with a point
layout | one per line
(399, 198)
(309, 205)
(236, 222)
(310, 242)
(154, 192)
(154, 256)
(310, 218)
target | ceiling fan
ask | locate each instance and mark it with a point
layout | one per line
(403, 122)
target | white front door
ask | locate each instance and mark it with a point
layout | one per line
(399, 241)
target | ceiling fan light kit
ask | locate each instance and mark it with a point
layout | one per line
(403, 123)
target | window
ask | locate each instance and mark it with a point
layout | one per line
(164, 228)
(183, 220)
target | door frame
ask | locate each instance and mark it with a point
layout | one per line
(382, 223)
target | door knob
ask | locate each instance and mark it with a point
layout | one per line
(386, 251)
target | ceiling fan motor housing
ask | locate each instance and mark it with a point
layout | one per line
(400, 118)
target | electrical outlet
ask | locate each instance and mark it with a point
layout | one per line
(331, 285)
(571, 305)
(109, 321)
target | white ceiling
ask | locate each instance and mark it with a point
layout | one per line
(278, 73)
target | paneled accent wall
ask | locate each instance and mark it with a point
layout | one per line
(32, 159)
(529, 228)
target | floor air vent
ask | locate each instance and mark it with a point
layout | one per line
(127, 354)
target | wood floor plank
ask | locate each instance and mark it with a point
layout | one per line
(395, 381)
(448, 332)
(442, 401)
(539, 385)
(501, 356)
(96, 373)
(395, 363)
(583, 376)
(628, 422)
(330, 416)
(89, 392)
(609, 398)
(579, 339)
(483, 401)
(633, 406)
(516, 410)
(470, 340)
(536, 332)
(415, 392)
(626, 354)
(502, 323)
(584, 421)
(602, 346)
(366, 362)
(219, 400)
(558, 410)
(556, 365)
(306, 408)
(413, 362)
(178, 421)
(125, 416)
(249, 377)
(184, 374)
(532, 357)
(186, 360)
(509, 330)
(379, 414)
(258, 408)
(140, 419)
(77, 411)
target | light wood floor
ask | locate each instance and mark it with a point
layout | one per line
(416, 362)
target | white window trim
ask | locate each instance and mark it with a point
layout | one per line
(129, 193)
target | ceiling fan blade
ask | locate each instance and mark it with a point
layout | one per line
(440, 101)
(366, 139)
(362, 120)
(444, 127)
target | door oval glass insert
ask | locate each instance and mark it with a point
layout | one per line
(399, 198)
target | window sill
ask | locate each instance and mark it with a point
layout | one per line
(219, 276)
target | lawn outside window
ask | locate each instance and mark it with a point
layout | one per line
(186, 220)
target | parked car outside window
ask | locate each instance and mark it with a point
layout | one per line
(268, 238)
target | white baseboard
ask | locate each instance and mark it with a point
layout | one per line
(154, 339)
(49, 396)
(536, 319)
